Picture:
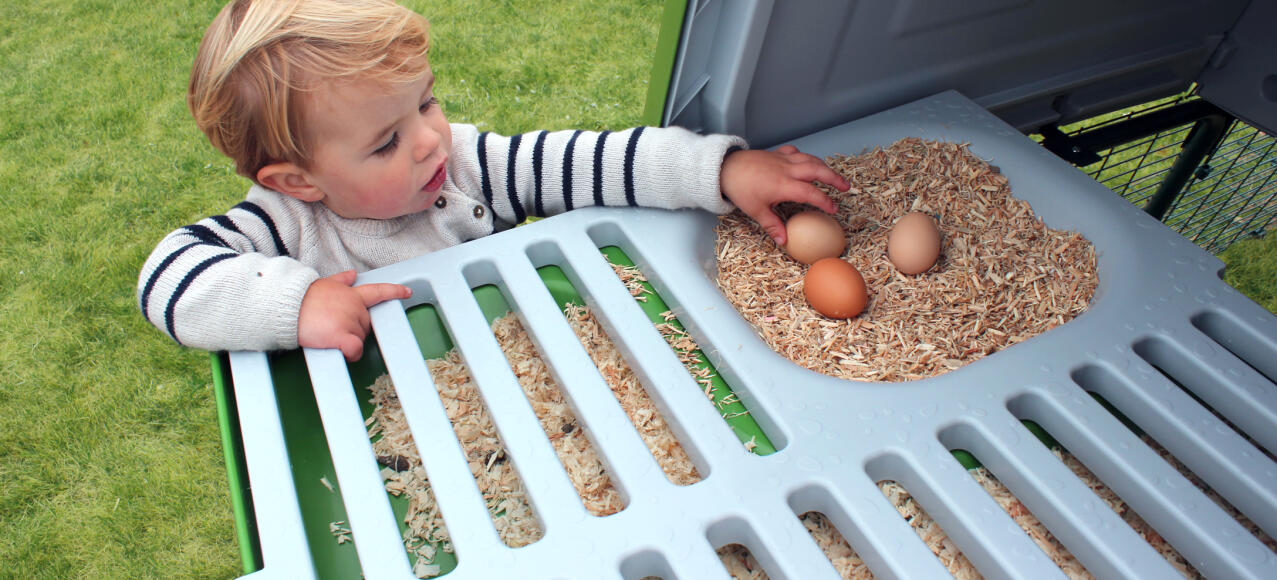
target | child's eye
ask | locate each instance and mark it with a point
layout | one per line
(389, 147)
(428, 104)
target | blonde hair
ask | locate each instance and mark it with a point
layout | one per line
(259, 59)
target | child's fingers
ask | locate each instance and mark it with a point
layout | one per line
(811, 168)
(373, 294)
(831, 178)
(352, 346)
(805, 192)
(771, 224)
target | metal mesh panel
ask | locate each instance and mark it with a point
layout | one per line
(1232, 194)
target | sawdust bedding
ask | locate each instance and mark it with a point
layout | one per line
(742, 565)
(503, 491)
(1002, 278)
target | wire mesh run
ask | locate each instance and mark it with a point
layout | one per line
(1231, 195)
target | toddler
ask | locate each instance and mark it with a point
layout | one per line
(328, 106)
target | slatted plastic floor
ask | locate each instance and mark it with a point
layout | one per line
(1168, 344)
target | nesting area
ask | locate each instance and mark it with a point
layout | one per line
(1002, 276)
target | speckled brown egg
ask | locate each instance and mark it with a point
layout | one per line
(813, 235)
(913, 246)
(835, 288)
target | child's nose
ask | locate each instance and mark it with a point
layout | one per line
(426, 142)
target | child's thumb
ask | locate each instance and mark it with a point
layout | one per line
(774, 228)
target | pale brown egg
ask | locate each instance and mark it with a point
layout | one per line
(835, 288)
(813, 235)
(913, 246)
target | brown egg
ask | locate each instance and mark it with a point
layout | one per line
(835, 288)
(813, 235)
(913, 246)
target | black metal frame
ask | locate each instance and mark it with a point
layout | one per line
(1209, 133)
(1211, 124)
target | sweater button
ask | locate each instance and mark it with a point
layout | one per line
(478, 212)
(441, 203)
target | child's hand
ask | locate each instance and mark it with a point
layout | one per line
(756, 180)
(335, 315)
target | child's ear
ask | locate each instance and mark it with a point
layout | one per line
(289, 179)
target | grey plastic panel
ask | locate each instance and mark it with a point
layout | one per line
(1242, 77)
(1159, 304)
(773, 71)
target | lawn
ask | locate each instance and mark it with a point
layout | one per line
(110, 462)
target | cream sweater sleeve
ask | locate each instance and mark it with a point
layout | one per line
(546, 173)
(233, 281)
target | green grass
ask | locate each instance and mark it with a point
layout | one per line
(110, 463)
(1252, 269)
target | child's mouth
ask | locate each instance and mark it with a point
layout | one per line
(436, 182)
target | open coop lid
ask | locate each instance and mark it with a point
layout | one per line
(773, 71)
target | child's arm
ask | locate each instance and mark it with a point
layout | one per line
(239, 282)
(545, 173)
(227, 282)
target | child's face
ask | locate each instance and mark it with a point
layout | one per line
(378, 152)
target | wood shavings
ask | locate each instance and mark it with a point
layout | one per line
(516, 523)
(638, 406)
(1127, 514)
(502, 488)
(426, 527)
(340, 531)
(1002, 278)
(840, 553)
(684, 346)
(388, 427)
(929, 531)
(740, 563)
(1197, 482)
(1032, 527)
(579, 457)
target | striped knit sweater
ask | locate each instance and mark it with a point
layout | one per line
(236, 281)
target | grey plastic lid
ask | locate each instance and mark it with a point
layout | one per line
(774, 71)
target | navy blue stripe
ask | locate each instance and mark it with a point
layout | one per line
(207, 235)
(229, 224)
(226, 223)
(598, 167)
(155, 275)
(184, 285)
(512, 192)
(538, 151)
(250, 207)
(567, 171)
(629, 166)
(483, 168)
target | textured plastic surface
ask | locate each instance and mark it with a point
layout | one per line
(1160, 304)
(1242, 76)
(773, 71)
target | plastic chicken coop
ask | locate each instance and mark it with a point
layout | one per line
(1165, 349)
